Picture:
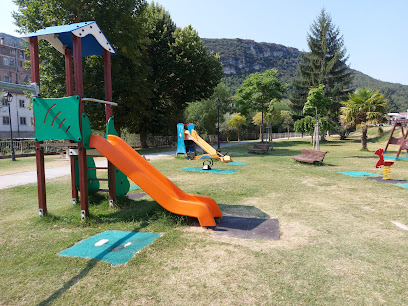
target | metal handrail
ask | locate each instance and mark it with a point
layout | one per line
(100, 101)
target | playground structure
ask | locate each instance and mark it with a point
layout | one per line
(187, 139)
(381, 162)
(402, 141)
(65, 119)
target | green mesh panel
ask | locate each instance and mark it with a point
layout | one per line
(57, 119)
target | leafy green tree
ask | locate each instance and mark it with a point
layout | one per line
(287, 119)
(363, 108)
(317, 103)
(204, 113)
(325, 63)
(224, 128)
(123, 24)
(182, 71)
(257, 91)
(236, 122)
(257, 120)
(305, 125)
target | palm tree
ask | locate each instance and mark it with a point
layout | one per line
(364, 107)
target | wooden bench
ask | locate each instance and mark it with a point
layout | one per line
(310, 156)
(259, 148)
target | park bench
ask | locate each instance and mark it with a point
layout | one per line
(259, 148)
(310, 156)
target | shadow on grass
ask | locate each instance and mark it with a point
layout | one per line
(242, 210)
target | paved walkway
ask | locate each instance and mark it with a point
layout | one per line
(23, 178)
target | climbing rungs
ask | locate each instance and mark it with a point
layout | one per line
(98, 168)
(96, 179)
(104, 190)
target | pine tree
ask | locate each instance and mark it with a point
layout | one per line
(325, 63)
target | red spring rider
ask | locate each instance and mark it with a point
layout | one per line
(381, 162)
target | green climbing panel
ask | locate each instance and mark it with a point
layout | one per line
(122, 184)
(57, 118)
(86, 131)
(92, 185)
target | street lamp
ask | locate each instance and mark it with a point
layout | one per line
(218, 104)
(8, 97)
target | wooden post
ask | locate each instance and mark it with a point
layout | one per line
(39, 153)
(109, 113)
(79, 90)
(69, 81)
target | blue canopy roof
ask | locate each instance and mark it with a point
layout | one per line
(93, 40)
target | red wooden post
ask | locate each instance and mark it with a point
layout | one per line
(69, 81)
(109, 113)
(39, 153)
(79, 90)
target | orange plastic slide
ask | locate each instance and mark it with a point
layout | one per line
(154, 183)
(206, 147)
(201, 142)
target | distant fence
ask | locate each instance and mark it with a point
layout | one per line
(27, 146)
(24, 146)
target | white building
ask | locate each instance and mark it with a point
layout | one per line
(12, 59)
(22, 116)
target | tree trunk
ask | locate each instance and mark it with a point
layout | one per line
(364, 137)
(262, 126)
(288, 132)
(260, 132)
(238, 134)
(143, 137)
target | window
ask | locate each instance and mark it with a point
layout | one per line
(11, 62)
(22, 103)
(32, 121)
(6, 120)
(22, 54)
(23, 121)
(20, 63)
(5, 61)
(13, 51)
(7, 79)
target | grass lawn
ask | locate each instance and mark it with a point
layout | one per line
(338, 243)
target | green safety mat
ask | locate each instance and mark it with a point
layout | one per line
(209, 171)
(359, 174)
(115, 247)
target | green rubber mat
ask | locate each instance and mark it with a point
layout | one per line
(114, 247)
(395, 158)
(209, 171)
(359, 174)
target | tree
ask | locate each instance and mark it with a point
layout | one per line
(236, 122)
(224, 128)
(259, 89)
(325, 63)
(305, 125)
(122, 22)
(257, 120)
(204, 113)
(182, 71)
(287, 119)
(363, 108)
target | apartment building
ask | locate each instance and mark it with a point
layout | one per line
(12, 61)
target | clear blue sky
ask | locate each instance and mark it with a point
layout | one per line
(374, 31)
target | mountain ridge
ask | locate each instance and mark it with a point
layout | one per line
(241, 57)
